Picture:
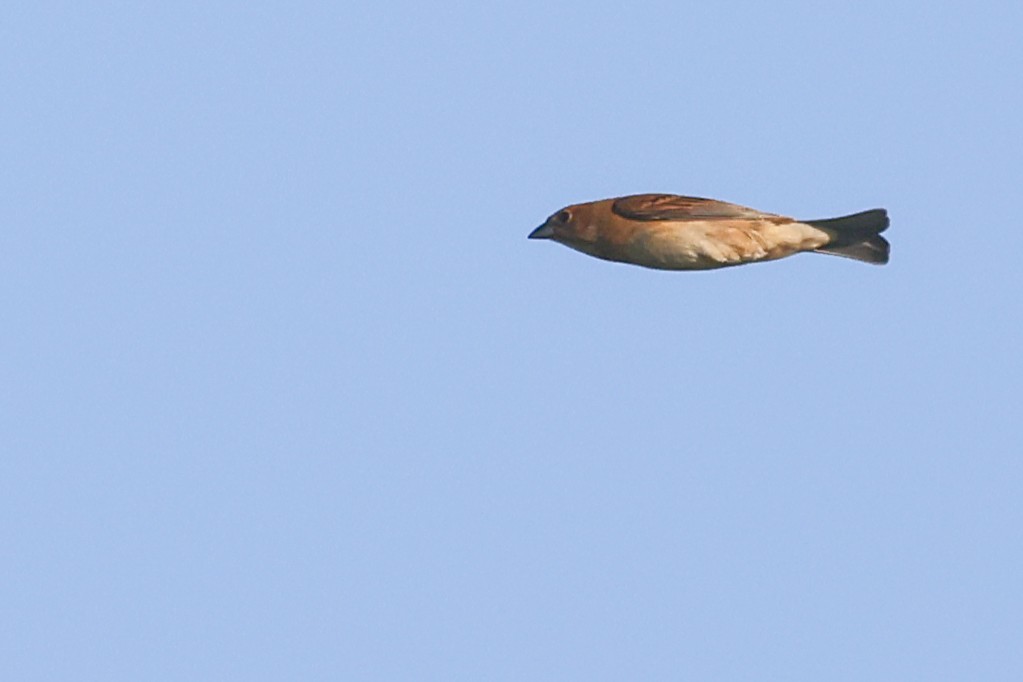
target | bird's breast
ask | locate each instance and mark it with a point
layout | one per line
(701, 245)
(679, 246)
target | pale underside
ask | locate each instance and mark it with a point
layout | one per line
(705, 244)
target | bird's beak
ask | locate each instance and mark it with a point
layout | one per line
(545, 231)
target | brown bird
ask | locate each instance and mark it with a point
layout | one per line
(671, 232)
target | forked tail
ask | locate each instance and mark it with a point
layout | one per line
(856, 236)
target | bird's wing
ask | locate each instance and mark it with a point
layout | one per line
(675, 207)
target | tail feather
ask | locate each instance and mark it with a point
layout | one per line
(856, 236)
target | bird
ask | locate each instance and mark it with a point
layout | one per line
(673, 232)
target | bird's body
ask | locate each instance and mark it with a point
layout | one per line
(671, 232)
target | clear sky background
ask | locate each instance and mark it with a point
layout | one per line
(286, 393)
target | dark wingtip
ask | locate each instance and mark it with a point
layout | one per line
(874, 250)
(852, 227)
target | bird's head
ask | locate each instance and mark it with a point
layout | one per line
(572, 226)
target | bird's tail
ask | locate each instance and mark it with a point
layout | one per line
(856, 236)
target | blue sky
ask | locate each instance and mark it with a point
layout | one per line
(287, 394)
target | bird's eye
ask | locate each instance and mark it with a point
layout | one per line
(562, 217)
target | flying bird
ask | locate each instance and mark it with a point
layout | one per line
(672, 232)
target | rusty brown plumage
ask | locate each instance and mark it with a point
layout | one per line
(672, 232)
